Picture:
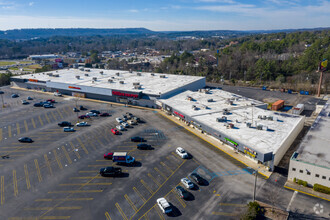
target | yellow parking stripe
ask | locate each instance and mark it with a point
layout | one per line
(167, 167)
(28, 185)
(139, 194)
(58, 160)
(86, 177)
(76, 191)
(82, 145)
(154, 179)
(9, 131)
(74, 150)
(232, 204)
(67, 155)
(26, 126)
(15, 183)
(33, 123)
(65, 199)
(130, 202)
(18, 129)
(38, 170)
(107, 216)
(89, 184)
(60, 113)
(41, 218)
(180, 200)
(159, 213)
(90, 142)
(224, 213)
(48, 164)
(162, 174)
(41, 122)
(177, 156)
(47, 118)
(54, 116)
(88, 171)
(2, 191)
(56, 208)
(146, 186)
(121, 211)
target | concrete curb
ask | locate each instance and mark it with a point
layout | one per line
(304, 190)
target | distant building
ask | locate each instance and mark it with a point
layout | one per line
(43, 57)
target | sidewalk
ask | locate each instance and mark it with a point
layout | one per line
(218, 144)
(306, 190)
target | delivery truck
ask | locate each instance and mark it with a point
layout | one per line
(122, 157)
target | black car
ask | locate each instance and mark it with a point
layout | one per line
(75, 110)
(48, 106)
(136, 119)
(25, 140)
(197, 178)
(104, 114)
(144, 147)
(64, 124)
(130, 114)
(95, 111)
(38, 104)
(29, 98)
(137, 139)
(110, 171)
(181, 192)
(82, 108)
(14, 96)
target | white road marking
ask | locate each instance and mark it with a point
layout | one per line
(292, 198)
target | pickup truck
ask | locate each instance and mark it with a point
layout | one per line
(110, 171)
(122, 157)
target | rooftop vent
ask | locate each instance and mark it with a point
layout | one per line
(121, 82)
(130, 71)
(229, 125)
(94, 78)
(139, 74)
(222, 119)
(189, 98)
(101, 72)
(82, 69)
(92, 81)
(78, 77)
(49, 74)
(152, 74)
(162, 76)
(137, 87)
(249, 124)
(270, 118)
(259, 127)
(136, 83)
(87, 70)
(117, 74)
(210, 100)
(56, 75)
(86, 74)
(112, 77)
(110, 80)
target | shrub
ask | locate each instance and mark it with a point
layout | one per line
(321, 188)
(300, 182)
(254, 211)
(305, 183)
(294, 180)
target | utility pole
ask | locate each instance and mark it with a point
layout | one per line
(255, 184)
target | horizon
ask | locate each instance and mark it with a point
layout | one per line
(171, 15)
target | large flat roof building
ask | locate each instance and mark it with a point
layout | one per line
(242, 123)
(311, 162)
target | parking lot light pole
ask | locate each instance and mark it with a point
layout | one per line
(255, 184)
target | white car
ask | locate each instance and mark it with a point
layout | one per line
(181, 152)
(125, 124)
(164, 205)
(120, 127)
(119, 120)
(68, 129)
(57, 94)
(187, 183)
(82, 124)
(91, 114)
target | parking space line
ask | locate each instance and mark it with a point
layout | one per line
(153, 179)
(121, 211)
(59, 113)
(9, 131)
(167, 167)
(67, 155)
(107, 216)
(41, 218)
(65, 199)
(15, 183)
(0, 134)
(180, 200)
(41, 122)
(2, 191)
(54, 116)
(74, 150)
(47, 118)
(33, 123)
(75, 191)
(18, 129)
(146, 214)
(90, 142)
(64, 109)
(224, 213)
(159, 213)
(86, 177)
(57, 208)
(89, 171)
(177, 156)
(139, 194)
(38, 170)
(130, 202)
(162, 174)
(146, 186)
(48, 164)
(232, 204)
(82, 145)
(58, 160)
(100, 143)
(89, 184)
(26, 126)
(28, 185)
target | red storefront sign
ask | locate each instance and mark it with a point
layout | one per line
(125, 94)
(33, 80)
(177, 113)
(72, 87)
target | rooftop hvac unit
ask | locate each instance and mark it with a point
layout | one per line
(259, 127)
(139, 74)
(78, 77)
(270, 118)
(121, 82)
(249, 124)
(117, 74)
(94, 78)
(210, 100)
(56, 75)
(110, 80)
(130, 71)
(49, 74)
(101, 72)
(87, 70)
(162, 76)
(82, 69)
(222, 119)
(152, 74)
(137, 87)
(112, 77)
(92, 81)
(136, 84)
(86, 74)
(265, 128)
(230, 125)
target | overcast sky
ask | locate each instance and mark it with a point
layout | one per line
(165, 15)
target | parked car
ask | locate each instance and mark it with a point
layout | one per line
(29, 98)
(164, 205)
(64, 124)
(83, 116)
(197, 178)
(125, 124)
(76, 110)
(120, 127)
(124, 118)
(95, 111)
(82, 108)
(82, 124)
(131, 122)
(110, 171)
(68, 129)
(144, 147)
(57, 94)
(108, 156)
(25, 140)
(38, 104)
(104, 114)
(48, 106)
(114, 131)
(187, 183)
(137, 139)
(24, 102)
(130, 114)
(181, 152)
(14, 96)
(119, 120)
(136, 119)
(183, 194)
(92, 114)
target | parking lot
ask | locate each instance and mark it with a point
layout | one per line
(57, 176)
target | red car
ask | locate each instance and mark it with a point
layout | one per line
(51, 100)
(83, 116)
(108, 156)
(104, 114)
(114, 131)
